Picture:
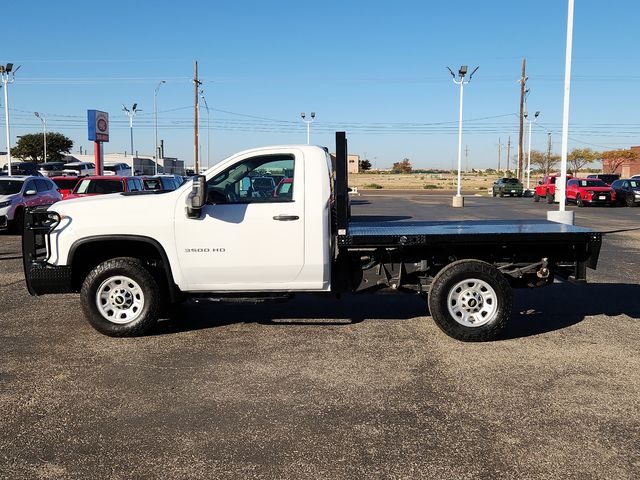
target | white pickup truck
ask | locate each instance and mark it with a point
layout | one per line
(132, 254)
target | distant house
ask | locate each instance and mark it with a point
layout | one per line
(353, 162)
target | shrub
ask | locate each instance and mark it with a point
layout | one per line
(430, 186)
(374, 186)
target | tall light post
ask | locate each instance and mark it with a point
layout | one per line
(44, 131)
(155, 114)
(308, 122)
(8, 76)
(206, 106)
(458, 201)
(531, 122)
(131, 113)
(561, 215)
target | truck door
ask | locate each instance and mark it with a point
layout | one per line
(249, 236)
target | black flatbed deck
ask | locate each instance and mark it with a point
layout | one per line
(376, 234)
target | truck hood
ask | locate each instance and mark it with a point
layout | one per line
(116, 213)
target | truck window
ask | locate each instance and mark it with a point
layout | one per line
(253, 180)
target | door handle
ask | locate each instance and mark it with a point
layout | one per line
(286, 218)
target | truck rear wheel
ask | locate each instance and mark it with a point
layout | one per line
(470, 300)
(550, 198)
(536, 197)
(120, 298)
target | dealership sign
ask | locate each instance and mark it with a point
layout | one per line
(98, 125)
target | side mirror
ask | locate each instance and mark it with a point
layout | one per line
(540, 182)
(197, 197)
(30, 193)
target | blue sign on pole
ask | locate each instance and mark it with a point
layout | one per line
(98, 123)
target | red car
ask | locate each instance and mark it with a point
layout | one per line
(590, 191)
(546, 188)
(100, 185)
(65, 184)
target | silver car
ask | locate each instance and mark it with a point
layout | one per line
(18, 193)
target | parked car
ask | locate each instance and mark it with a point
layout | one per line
(627, 191)
(23, 169)
(51, 169)
(120, 169)
(17, 193)
(635, 177)
(162, 182)
(590, 191)
(66, 184)
(100, 185)
(507, 186)
(607, 178)
(546, 188)
(262, 186)
(80, 169)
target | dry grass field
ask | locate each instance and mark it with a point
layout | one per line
(445, 182)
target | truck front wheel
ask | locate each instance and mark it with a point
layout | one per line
(120, 298)
(470, 300)
(550, 198)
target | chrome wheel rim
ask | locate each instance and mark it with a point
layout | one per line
(120, 299)
(472, 302)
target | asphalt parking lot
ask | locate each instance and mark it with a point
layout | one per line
(361, 387)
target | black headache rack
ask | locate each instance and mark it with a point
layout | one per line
(41, 277)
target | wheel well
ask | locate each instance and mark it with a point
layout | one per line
(86, 256)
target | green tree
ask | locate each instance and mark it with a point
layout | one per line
(580, 158)
(544, 161)
(403, 167)
(31, 147)
(365, 165)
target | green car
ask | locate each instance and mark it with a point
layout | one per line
(507, 186)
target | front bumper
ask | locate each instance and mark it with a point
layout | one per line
(40, 276)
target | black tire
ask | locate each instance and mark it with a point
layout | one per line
(143, 319)
(18, 221)
(494, 193)
(579, 200)
(501, 194)
(550, 198)
(536, 197)
(629, 201)
(447, 283)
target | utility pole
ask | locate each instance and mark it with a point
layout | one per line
(509, 154)
(499, 152)
(466, 156)
(548, 162)
(44, 131)
(196, 123)
(5, 71)
(523, 82)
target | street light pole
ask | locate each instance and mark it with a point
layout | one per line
(458, 200)
(308, 122)
(531, 122)
(131, 113)
(155, 114)
(562, 215)
(44, 131)
(5, 70)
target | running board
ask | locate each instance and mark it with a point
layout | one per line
(240, 298)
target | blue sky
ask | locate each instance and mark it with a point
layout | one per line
(374, 69)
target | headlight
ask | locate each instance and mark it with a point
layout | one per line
(5, 204)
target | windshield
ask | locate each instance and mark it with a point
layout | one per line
(10, 187)
(47, 167)
(66, 183)
(635, 184)
(511, 180)
(592, 183)
(99, 186)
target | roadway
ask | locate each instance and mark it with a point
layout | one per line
(361, 387)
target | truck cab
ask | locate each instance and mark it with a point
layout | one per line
(546, 188)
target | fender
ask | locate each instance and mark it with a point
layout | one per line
(174, 290)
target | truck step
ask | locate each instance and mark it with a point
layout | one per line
(241, 298)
